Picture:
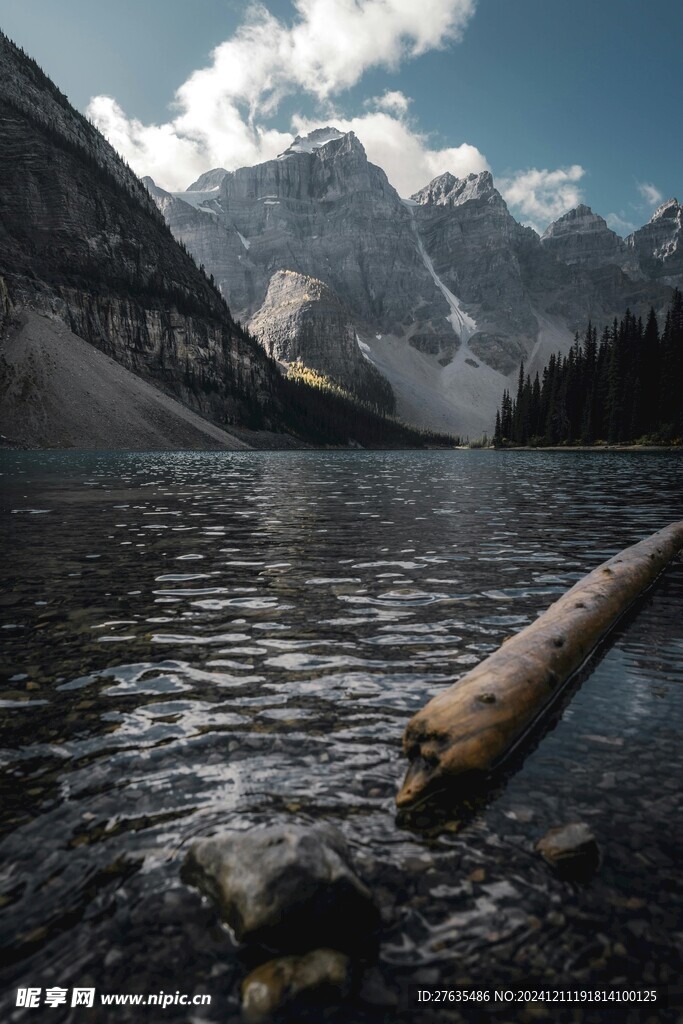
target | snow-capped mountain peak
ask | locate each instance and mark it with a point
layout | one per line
(314, 140)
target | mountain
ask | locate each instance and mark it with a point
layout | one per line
(583, 237)
(480, 252)
(323, 211)
(652, 253)
(84, 246)
(444, 292)
(527, 295)
(318, 207)
(209, 180)
(422, 305)
(658, 245)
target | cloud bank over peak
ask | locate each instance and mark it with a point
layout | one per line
(224, 112)
(403, 152)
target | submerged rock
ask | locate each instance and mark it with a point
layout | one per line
(572, 850)
(286, 983)
(287, 887)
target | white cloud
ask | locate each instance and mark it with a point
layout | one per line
(394, 102)
(174, 158)
(541, 196)
(336, 41)
(650, 194)
(617, 222)
(224, 111)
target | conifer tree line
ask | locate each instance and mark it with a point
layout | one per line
(625, 386)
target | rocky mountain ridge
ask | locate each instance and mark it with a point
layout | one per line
(581, 237)
(447, 190)
(658, 245)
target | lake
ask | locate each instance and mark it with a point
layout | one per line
(195, 642)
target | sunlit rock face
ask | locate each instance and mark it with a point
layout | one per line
(302, 320)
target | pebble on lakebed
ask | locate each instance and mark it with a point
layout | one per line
(288, 887)
(572, 850)
(290, 980)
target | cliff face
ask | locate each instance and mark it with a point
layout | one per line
(58, 391)
(477, 249)
(81, 238)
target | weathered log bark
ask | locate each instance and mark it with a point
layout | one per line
(464, 733)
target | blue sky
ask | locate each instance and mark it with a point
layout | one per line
(564, 100)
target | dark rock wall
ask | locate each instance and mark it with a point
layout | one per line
(81, 237)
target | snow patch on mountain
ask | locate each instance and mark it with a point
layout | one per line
(462, 323)
(205, 201)
(364, 347)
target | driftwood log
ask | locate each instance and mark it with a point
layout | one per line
(464, 733)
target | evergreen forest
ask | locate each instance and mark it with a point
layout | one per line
(625, 386)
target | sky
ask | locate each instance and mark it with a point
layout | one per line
(565, 101)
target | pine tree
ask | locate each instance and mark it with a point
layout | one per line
(497, 433)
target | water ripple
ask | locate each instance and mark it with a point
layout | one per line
(334, 594)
